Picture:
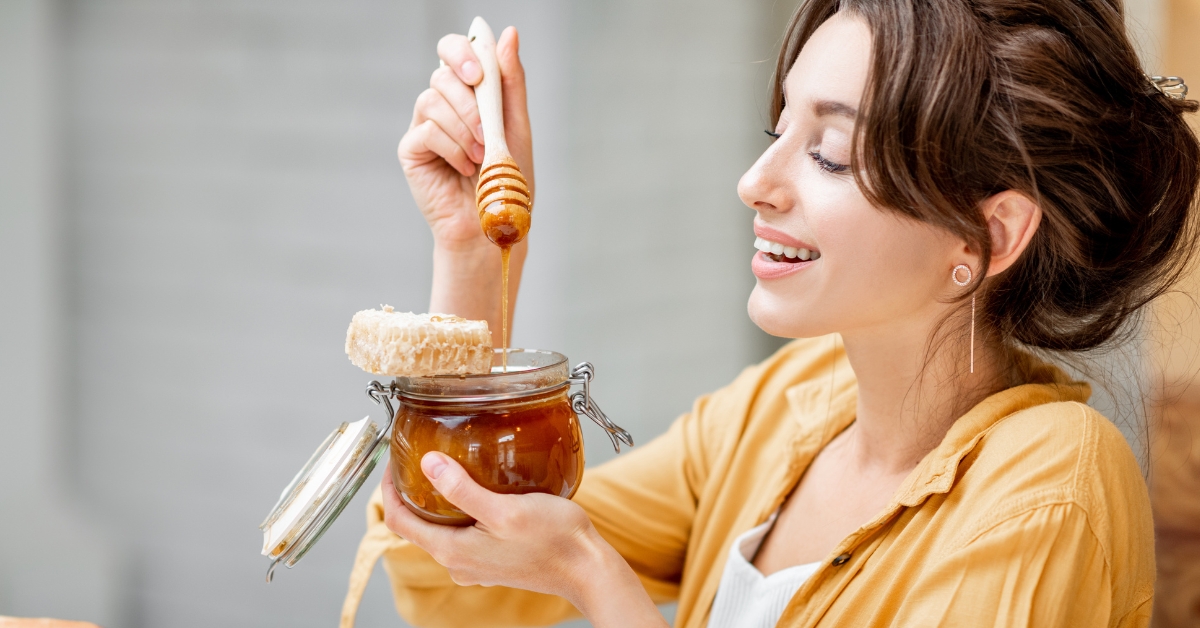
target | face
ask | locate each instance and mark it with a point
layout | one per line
(833, 261)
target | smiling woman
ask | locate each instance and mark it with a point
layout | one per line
(954, 186)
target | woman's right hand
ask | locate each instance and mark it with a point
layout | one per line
(443, 147)
(440, 154)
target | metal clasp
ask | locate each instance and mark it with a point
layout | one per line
(380, 394)
(1170, 86)
(582, 403)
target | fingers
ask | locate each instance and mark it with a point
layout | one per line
(452, 481)
(428, 139)
(460, 97)
(456, 52)
(432, 104)
(399, 519)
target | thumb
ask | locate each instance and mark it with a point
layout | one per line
(453, 482)
(512, 75)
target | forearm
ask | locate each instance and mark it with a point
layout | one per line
(609, 593)
(466, 282)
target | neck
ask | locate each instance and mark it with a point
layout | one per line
(911, 391)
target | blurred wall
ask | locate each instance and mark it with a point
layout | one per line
(209, 190)
(53, 556)
(196, 197)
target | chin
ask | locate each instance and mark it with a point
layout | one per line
(781, 317)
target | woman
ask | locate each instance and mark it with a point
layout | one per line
(953, 183)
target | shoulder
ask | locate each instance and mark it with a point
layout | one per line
(1065, 451)
(1061, 454)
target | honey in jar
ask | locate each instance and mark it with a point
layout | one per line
(513, 430)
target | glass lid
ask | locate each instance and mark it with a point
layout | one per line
(319, 492)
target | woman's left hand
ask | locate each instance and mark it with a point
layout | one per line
(535, 542)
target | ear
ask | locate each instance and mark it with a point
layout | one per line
(1012, 219)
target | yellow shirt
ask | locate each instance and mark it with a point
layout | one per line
(1031, 512)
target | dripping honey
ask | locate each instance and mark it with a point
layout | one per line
(504, 215)
(504, 254)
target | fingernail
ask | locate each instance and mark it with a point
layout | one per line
(433, 464)
(479, 131)
(477, 153)
(471, 71)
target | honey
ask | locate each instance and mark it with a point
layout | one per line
(513, 432)
(504, 203)
(504, 215)
(505, 252)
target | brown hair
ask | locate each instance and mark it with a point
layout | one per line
(968, 98)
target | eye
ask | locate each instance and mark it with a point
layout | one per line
(828, 166)
(772, 133)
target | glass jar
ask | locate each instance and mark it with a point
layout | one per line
(514, 430)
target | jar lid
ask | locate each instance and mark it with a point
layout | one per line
(319, 492)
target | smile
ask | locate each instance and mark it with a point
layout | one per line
(777, 252)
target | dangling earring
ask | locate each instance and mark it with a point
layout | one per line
(954, 277)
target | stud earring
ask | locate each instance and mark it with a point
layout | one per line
(954, 278)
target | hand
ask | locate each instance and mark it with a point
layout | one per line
(440, 153)
(535, 542)
(443, 147)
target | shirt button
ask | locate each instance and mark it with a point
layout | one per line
(841, 560)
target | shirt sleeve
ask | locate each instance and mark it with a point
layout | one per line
(1044, 567)
(642, 503)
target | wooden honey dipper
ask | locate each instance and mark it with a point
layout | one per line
(502, 194)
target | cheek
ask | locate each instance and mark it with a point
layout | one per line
(875, 268)
(881, 261)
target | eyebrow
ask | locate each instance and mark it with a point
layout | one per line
(834, 108)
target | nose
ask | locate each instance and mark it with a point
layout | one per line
(762, 187)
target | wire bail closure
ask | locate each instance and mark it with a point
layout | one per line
(582, 403)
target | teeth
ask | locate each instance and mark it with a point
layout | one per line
(775, 248)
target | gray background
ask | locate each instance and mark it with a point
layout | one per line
(196, 196)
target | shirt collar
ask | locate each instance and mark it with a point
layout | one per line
(824, 407)
(1045, 383)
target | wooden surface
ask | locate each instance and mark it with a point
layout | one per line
(17, 622)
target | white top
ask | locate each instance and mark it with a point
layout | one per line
(745, 597)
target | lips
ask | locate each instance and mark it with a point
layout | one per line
(780, 254)
(771, 234)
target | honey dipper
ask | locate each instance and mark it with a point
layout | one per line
(502, 194)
